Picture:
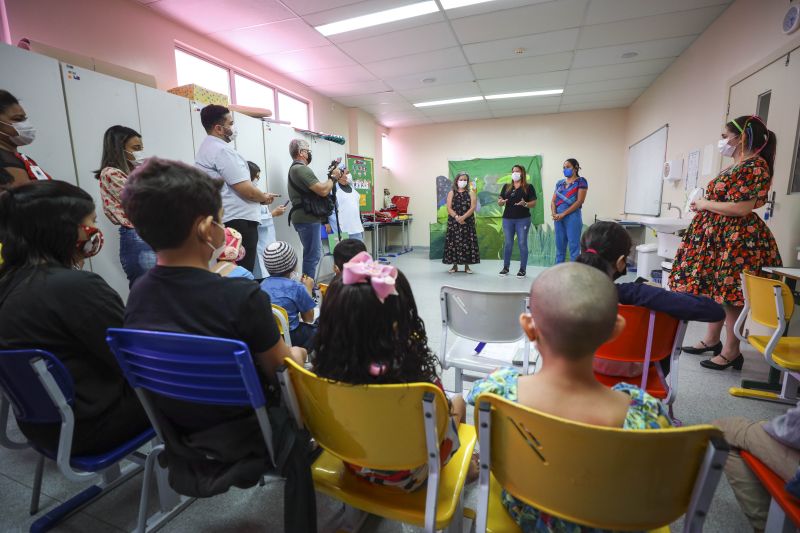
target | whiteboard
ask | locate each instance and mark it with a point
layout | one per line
(645, 166)
(165, 124)
(96, 102)
(37, 86)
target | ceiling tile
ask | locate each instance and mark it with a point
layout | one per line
(610, 55)
(210, 16)
(400, 43)
(596, 105)
(539, 44)
(545, 110)
(489, 7)
(441, 77)
(459, 117)
(527, 20)
(601, 11)
(527, 102)
(388, 97)
(442, 92)
(388, 108)
(610, 96)
(352, 89)
(425, 62)
(532, 82)
(622, 70)
(330, 76)
(638, 82)
(282, 36)
(523, 65)
(455, 109)
(305, 7)
(406, 123)
(649, 28)
(308, 59)
(400, 115)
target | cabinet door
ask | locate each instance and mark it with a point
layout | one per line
(276, 141)
(250, 142)
(94, 103)
(166, 124)
(38, 88)
(198, 131)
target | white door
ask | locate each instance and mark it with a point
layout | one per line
(166, 124)
(94, 103)
(38, 88)
(774, 89)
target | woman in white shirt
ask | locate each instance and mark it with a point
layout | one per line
(266, 226)
(348, 203)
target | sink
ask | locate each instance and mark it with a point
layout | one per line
(666, 224)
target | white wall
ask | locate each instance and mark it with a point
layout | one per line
(595, 138)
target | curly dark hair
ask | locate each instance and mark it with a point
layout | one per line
(357, 330)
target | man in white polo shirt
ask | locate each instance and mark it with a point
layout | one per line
(240, 198)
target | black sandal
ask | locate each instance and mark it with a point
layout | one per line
(716, 349)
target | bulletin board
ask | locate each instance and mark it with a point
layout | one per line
(362, 169)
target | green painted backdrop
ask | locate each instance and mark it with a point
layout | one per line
(487, 177)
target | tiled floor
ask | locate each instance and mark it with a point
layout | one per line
(702, 397)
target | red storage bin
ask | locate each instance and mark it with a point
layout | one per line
(401, 202)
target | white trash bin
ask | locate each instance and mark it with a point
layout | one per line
(647, 260)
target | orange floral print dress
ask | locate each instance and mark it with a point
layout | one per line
(716, 248)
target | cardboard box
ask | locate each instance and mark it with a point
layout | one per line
(200, 94)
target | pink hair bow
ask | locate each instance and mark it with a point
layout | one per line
(362, 268)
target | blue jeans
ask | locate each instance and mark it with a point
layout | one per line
(568, 231)
(135, 255)
(520, 227)
(357, 236)
(309, 234)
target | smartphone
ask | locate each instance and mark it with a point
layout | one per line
(287, 203)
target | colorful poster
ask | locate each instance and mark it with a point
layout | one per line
(487, 178)
(362, 169)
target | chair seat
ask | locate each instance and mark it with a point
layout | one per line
(786, 353)
(775, 486)
(95, 463)
(655, 387)
(333, 478)
(463, 355)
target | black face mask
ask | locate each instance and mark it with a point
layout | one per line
(619, 274)
(309, 156)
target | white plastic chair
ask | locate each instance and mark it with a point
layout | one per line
(482, 317)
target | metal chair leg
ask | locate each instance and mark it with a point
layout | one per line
(459, 383)
(37, 486)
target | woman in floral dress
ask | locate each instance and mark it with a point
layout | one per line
(461, 239)
(727, 238)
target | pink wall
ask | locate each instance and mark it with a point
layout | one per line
(126, 33)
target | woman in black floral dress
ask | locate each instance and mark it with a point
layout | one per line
(461, 240)
(727, 238)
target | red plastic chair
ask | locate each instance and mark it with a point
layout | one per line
(649, 337)
(784, 511)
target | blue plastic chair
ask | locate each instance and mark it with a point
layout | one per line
(40, 389)
(191, 368)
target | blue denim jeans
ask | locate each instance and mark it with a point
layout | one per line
(135, 255)
(309, 234)
(357, 236)
(568, 232)
(520, 228)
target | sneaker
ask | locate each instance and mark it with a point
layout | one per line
(521, 274)
(504, 272)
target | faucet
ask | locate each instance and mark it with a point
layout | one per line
(670, 206)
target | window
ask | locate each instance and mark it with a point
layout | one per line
(293, 110)
(192, 69)
(385, 151)
(254, 94)
(762, 107)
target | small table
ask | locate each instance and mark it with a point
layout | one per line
(773, 384)
(375, 228)
(405, 234)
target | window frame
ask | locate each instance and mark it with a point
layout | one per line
(295, 97)
(233, 72)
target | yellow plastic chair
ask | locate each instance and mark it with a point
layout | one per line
(599, 477)
(769, 302)
(387, 427)
(282, 318)
(323, 289)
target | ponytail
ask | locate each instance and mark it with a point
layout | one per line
(602, 245)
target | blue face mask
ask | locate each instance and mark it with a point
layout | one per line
(568, 172)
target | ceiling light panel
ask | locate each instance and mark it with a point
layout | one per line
(549, 92)
(378, 18)
(432, 103)
(455, 4)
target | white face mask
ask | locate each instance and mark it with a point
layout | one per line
(26, 132)
(138, 156)
(516, 176)
(462, 184)
(725, 149)
(217, 251)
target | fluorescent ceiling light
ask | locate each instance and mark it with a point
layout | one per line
(381, 17)
(453, 4)
(450, 101)
(520, 95)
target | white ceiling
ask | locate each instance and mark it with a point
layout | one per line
(575, 45)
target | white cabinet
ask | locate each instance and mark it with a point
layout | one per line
(166, 125)
(276, 139)
(198, 131)
(37, 85)
(96, 102)
(250, 142)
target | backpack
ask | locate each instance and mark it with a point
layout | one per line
(310, 202)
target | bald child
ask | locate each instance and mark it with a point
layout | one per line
(573, 312)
